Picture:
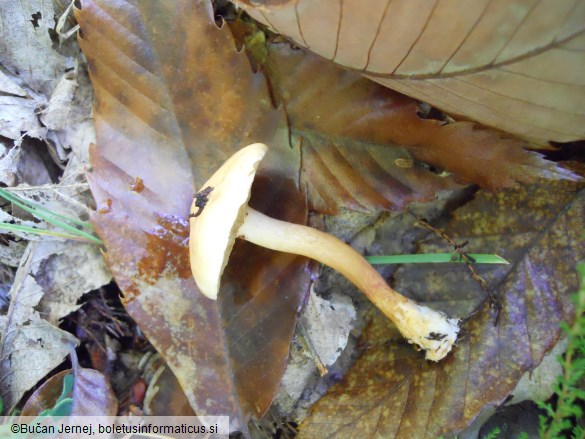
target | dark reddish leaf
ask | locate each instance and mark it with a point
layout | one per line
(92, 394)
(173, 100)
(352, 127)
(364, 177)
(45, 397)
(392, 392)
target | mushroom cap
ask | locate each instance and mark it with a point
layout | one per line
(214, 230)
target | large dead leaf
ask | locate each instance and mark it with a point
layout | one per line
(30, 347)
(514, 65)
(393, 392)
(173, 100)
(351, 128)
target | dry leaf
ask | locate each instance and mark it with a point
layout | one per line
(56, 113)
(92, 393)
(30, 347)
(352, 126)
(26, 48)
(18, 116)
(538, 229)
(11, 253)
(64, 286)
(164, 395)
(53, 258)
(173, 100)
(45, 397)
(68, 116)
(8, 86)
(326, 324)
(513, 65)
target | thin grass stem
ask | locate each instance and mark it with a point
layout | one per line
(436, 258)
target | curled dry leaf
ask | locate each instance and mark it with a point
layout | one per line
(174, 99)
(513, 65)
(538, 228)
(91, 394)
(45, 397)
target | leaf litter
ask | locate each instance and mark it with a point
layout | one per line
(30, 346)
(542, 224)
(326, 150)
(36, 105)
(113, 177)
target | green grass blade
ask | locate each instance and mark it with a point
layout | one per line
(21, 202)
(49, 217)
(45, 232)
(436, 258)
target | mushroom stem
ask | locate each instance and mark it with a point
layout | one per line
(431, 330)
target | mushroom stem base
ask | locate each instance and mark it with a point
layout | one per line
(431, 330)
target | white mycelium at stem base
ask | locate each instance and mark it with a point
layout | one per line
(225, 216)
(429, 329)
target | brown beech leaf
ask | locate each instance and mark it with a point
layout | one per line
(392, 392)
(174, 99)
(364, 177)
(513, 65)
(45, 397)
(91, 393)
(351, 127)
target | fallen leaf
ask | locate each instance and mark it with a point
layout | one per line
(8, 86)
(326, 324)
(54, 257)
(9, 155)
(164, 396)
(11, 252)
(7, 218)
(30, 347)
(514, 65)
(45, 397)
(26, 48)
(92, 394)
(63, 286)
(352, 128)
(18, 116)
(55, 116)
(68, 117)
(174, 99)
(392, 392)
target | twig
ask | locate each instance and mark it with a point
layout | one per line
(493, 299)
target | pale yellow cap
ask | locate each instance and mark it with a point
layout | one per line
(214, 231)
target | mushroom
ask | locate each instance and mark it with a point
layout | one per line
(220, 214)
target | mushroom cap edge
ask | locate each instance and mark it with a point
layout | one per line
(214, 231)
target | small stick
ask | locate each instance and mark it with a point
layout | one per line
(494, 300)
